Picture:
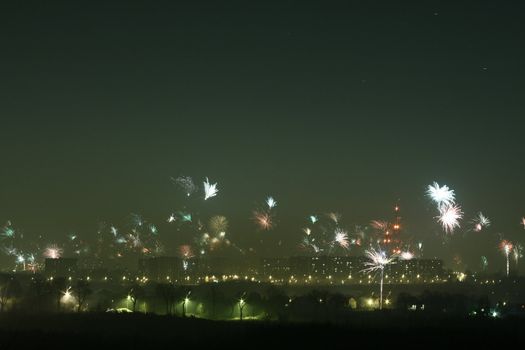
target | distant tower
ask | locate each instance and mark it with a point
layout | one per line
(394, 240)
(391, 231)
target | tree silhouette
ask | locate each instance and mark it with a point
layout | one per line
(135, 294)
(82, 291)
(58, 286)
(167, 292)
(9, 288)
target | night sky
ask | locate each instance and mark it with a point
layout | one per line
(328, 106)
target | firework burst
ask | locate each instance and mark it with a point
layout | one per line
(449, 216)
(8, 231)
(186, 184)
(53, 252)
(517, 252)
(218, 224)
(506, 248)
(263, 220)
(136, 220)
(335, 217)
(480, 222)
(406, 255)
(271, 202)
(341, 238)
(377, 261)
(484, 263)
(210, 190)
(185, 252)
(307, 243)
(441, 195)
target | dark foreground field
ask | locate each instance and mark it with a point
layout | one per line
(134, 331)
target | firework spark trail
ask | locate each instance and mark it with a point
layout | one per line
(517, 252)
(449, 216)
(506, 247)
(441, 195)
(308, 243)
(377, 261)
(379, 225)
(335, 217)
(484, 263)
(210, 190)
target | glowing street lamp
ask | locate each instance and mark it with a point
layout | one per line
(242, 304)
(184, 301)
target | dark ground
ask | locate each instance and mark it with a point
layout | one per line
(371, 329)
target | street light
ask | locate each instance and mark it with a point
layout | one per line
(242, 304)
(184, 301)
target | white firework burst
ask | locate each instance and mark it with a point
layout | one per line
(341, 238)
(271, 202)
(53, 252)
(406, 255)
(210, 190)
(449, 216)
(441, 195)
(377, 261)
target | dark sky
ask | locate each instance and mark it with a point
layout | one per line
(328, 106)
